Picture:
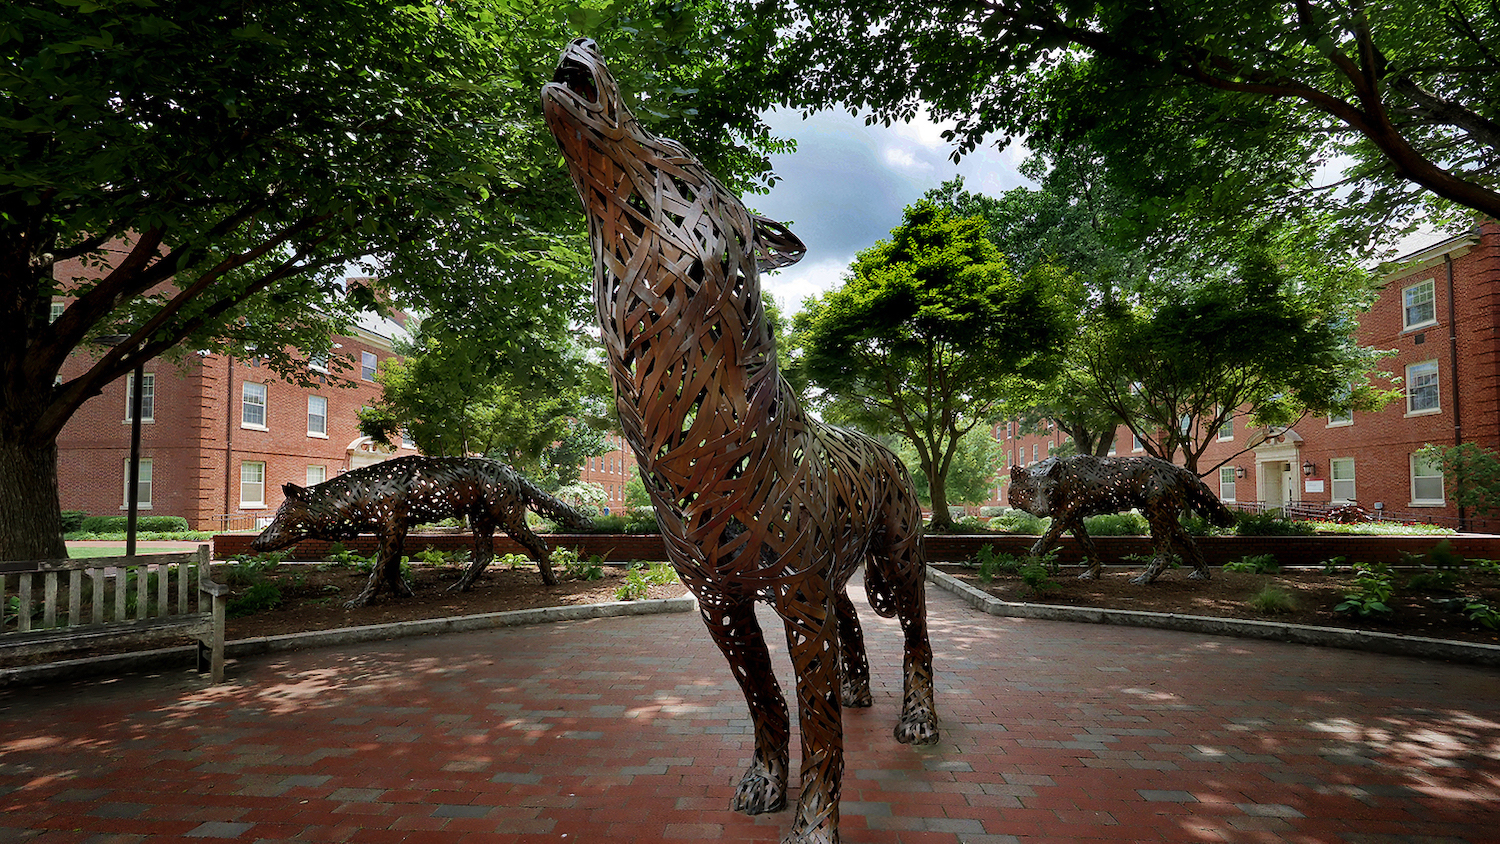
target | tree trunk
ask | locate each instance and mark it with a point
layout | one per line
(30, 515)
(937, 491)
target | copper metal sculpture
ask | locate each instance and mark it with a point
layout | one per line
(755, 498)
(1068, 490)
(388, 498)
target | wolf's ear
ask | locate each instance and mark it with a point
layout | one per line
(292, 490)
(1055, 470)
(1017, 472)
(775, 245)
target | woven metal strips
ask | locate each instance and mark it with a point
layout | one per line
(1084, 485)
(755, 499)
(388, 498)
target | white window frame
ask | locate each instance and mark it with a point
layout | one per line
(1430, 286)
(1345, 485)
(249, 468)
(1135, 442)
(316, 474)
(1411, 378)
(321, 430)
(56, 311)
(1227, 481)
(148, 396)
(318, 362)
(1343, 421)
(143, 485)
(1226, 429)
(369, 364)
(254, 394)
(1416, 461)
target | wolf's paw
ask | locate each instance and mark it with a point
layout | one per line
(856, 694)
(918, 725)
(760, 791)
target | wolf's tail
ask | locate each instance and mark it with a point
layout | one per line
(1203, 500)
(552, 507)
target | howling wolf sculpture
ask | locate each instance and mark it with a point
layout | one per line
(756, 500)
(1068, 490)
(388, 498)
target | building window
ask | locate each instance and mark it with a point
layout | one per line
(1226, 483)
(1422, 388)
(148, 396)
(367, 365)
(1033, 452)
(1226, 428)
(1342, 470)
(317, 416)
(253, 405)
(143, 486)
(318, 362)
(1339, 418)
(1426, 480)
(406, 440)
(252, 484)
(1419, 303)
(57, 311)
(1135, 442)
(316, 475)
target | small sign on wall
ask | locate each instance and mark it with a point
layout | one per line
(1312, 486)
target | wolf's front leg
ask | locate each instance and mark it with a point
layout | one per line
(732, 624)
(813, 639)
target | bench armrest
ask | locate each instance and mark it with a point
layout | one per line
(214, 589)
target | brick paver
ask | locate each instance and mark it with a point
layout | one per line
(631, 730)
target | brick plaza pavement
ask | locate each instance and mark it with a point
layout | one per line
(631, 730)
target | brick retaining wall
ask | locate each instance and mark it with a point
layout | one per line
(621, 548)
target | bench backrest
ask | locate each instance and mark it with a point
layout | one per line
(102, 590)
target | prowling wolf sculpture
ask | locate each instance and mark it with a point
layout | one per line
(756, 500)
(1070, 489)
(388, 498)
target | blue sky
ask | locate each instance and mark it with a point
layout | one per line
(847, 183)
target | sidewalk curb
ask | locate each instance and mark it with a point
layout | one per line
(1472, 653)
(171, 658)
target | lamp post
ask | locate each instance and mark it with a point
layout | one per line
(133, 484)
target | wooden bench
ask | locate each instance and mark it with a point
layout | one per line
(57, 606)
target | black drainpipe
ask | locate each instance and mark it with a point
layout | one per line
(1458, 425)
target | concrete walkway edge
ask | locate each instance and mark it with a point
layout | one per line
(1472, 653)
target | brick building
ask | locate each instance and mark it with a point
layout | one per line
(1439, 309)
(219, 436)
(611, 470)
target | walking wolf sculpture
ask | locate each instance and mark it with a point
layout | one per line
(755, 498)
(1068, 490)
(388, 498)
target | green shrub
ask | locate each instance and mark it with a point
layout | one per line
(1331, 565)
(636, 587)
(1255, 564)
(992, 563)
(1021, 522)
(1038, 579)
(1372, 591)
(1482, 613)
(143, 524)
(1432, 581)
(1272, 600)
(580, 569)
(1117, 524)
(1270, 523)
(249, 569)
(258, 598)
(73, 520)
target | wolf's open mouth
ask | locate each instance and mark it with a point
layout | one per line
(578, 79)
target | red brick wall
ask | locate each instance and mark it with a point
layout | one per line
(196, 442)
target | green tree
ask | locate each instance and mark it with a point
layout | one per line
(927, 334)
(454, 397)
(197, 176)
(1275, 335)
(1216, 101)
(972, 472)
(1472, 473)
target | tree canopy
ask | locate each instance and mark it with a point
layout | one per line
(198, 176)
(1274, 334)
(927, 336)
(1211, 102)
